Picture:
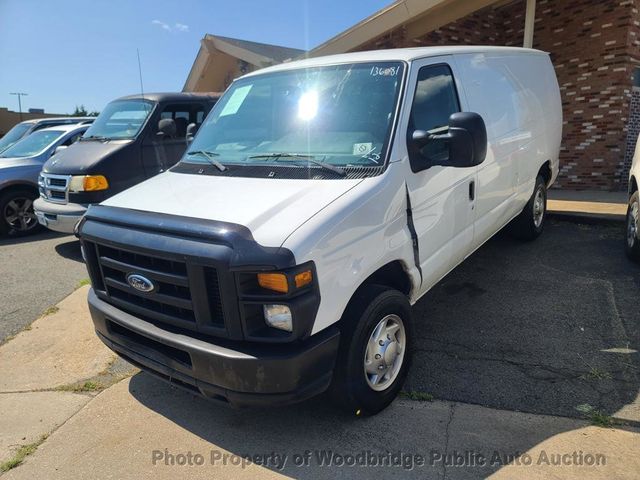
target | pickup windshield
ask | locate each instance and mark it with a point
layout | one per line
(32, 145)
(121, 119)
(329, 116)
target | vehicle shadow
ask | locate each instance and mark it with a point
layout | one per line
(7, 240)
(70, 250)
(544, 327)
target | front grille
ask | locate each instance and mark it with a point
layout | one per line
(54, 188)
(172, 301)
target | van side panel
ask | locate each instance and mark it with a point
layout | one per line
(518, 97)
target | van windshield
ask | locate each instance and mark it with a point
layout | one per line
(121, 119)
(32, 145)
(336, 116)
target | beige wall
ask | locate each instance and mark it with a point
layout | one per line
(9, 118)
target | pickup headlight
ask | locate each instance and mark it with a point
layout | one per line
(88, 183)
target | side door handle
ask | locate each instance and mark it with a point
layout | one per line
(472, 190)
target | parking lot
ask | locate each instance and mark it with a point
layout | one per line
(537, 327)
(549, 327)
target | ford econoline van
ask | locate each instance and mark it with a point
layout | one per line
(133, 138)
(318, 202)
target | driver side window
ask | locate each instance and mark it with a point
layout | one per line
(434, 101)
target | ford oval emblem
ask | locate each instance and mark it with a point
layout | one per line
(140, 283)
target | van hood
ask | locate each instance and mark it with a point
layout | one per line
(82, 157)
(271, 208)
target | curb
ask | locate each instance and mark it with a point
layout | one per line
(588, 218)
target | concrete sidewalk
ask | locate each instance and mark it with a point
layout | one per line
(588, 205)
(143, 428)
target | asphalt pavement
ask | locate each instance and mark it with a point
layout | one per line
(36, 272)
(548, 326)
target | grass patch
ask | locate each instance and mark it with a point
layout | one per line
(601, 419)
(87, 386)
(50, 311)
(417, 396)
(23, 452)
(83, 282)
(596, 373)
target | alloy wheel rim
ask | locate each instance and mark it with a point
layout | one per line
(385, 353)
(632, 224)
(19, 214)
(538, 208)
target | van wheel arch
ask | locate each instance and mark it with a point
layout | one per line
(546, 173)
(633, 185)
(393, 275)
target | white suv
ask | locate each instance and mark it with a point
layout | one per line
(319, 200)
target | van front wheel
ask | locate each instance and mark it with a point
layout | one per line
(375, 350)
(530, 223)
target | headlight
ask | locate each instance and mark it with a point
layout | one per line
(88, 183)
(278, 282)
(278, 316)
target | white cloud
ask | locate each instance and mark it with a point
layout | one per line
(178, 27)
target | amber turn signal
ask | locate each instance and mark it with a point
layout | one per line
(273, 281)
(303, 278)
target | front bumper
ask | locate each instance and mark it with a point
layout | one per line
(58, 217)
(240, 373)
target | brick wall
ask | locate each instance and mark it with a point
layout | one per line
(594, 45)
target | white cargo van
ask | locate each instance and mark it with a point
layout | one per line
(319, 201)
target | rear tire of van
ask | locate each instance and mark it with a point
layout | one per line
(529, 224)
(375, 350)
(632, 244)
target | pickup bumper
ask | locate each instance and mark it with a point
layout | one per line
(58, 217)
(239, 373)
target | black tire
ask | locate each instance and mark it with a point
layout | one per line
(530, 223)
(632, 237)
(26, 221)
(350, 387)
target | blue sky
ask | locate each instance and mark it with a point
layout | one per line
(68, 52)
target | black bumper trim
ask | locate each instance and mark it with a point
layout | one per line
(239, 373)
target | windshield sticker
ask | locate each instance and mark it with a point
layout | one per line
(384, 72)
(235, 102)
(362, 148)
(372, 156)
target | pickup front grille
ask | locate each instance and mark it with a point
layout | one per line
(172, 301)
(54, 188)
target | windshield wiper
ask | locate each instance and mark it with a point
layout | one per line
(209, 156)
(95, 137)
(308, 158)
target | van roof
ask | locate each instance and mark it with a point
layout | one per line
(173, 96)
(397, 54)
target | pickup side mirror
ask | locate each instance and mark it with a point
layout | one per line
(465, 141)
(167, 128)
(59, 148)
(192, 128)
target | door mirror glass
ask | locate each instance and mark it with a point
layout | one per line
(462, 144)
(166, 128)
(192, 128)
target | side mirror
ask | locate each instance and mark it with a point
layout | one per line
(166, 128)
(58, 149)
(192, 128)
(466, 141)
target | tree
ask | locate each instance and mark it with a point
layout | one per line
(80, 111)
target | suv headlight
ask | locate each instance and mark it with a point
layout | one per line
(88, 183)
